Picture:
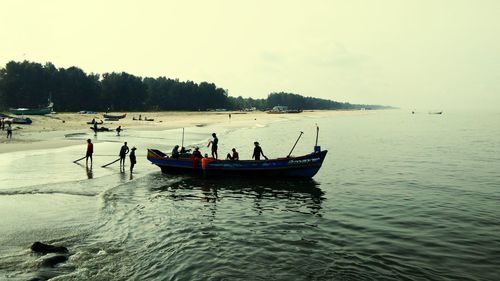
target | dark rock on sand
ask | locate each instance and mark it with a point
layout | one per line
(42, 248)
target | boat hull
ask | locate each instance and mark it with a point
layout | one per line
(39, 111)
(301, 167)
(109, 116)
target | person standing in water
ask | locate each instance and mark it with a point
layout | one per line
(123, 152)
(215, 145)
(118, 130)
(133, 160)
(95, 128)
(90, 151)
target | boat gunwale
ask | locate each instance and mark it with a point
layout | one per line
(160, 157)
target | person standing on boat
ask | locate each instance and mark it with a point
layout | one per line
(133, 160)
(215, 145)
(257, 151)
(90, 151)
(9, 131)
(123, 152)
(235, 155)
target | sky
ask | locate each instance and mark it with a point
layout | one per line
(418, 54)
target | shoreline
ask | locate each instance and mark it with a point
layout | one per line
(48, 132)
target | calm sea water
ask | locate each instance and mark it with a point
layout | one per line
(399, 197)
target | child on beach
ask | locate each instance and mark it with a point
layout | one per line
(133, 160)
(9, 131)
(90, 151)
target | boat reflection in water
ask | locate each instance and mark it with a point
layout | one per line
(304, 193)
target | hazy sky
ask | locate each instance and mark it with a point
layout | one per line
(431, 54)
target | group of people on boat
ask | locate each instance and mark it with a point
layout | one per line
(182, 152)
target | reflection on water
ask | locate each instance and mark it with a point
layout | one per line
(303, 191)
(90, 174)
(193, 228)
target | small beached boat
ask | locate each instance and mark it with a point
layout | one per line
(101, 129)
(87, 112)
(33, 111)
(109, 116)
(17, 120)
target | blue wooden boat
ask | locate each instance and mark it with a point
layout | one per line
(17, 120)
(305, 166)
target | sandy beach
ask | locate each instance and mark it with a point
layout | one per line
(51, 131)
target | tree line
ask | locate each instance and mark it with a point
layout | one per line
(30, 84)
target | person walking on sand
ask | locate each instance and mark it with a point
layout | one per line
(123, 152)
(90, 151)
(133, 160)
(9, 131)
(215, 145)
(257, 151)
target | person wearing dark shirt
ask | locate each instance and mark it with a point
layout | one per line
(257, 151)
(90, 151)
(215, 145)
(9, 131)
(133, 160)
(175, 152)
(197, 153)
(123, 151)
(235, 155)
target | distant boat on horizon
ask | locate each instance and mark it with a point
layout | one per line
(435, 112)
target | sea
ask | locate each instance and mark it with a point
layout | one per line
(400, 196)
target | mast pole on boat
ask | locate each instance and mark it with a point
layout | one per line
(295, 144)
(182, 144)
(316, 147)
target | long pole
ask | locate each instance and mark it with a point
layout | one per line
(182, 145)
(295, 144)
(111, 163)
(79, 159)
(317, 134)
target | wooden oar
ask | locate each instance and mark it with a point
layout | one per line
(79, 159)
(111, 163)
